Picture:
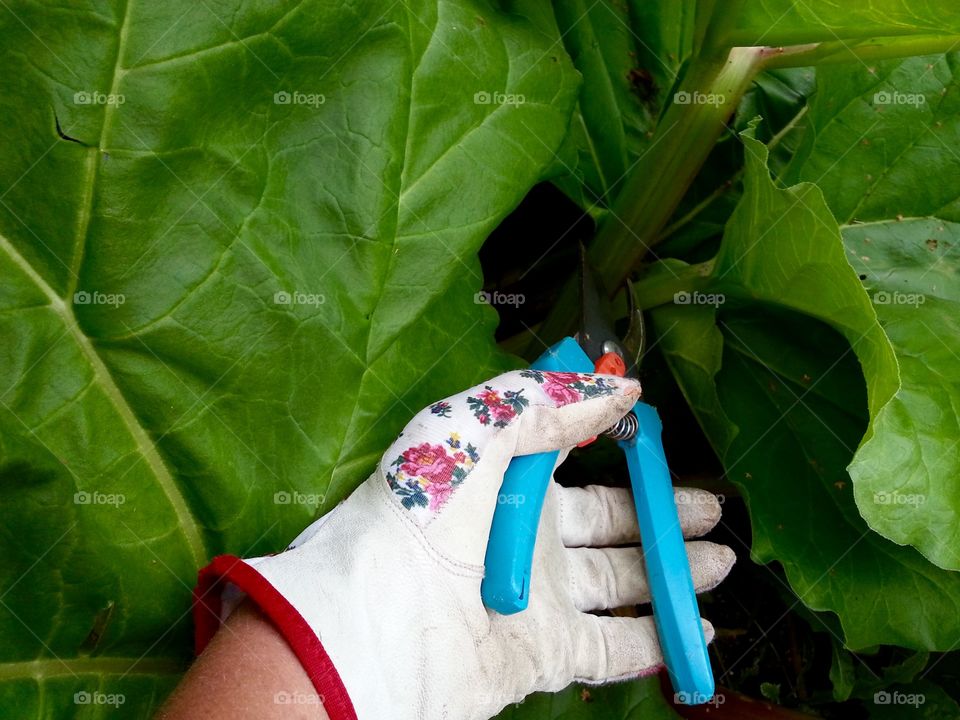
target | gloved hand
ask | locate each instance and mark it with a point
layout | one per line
(380, 598)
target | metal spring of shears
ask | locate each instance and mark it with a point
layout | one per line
(625, 429)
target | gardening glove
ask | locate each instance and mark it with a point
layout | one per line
(380, 598)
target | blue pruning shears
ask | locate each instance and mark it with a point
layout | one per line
(507, 586)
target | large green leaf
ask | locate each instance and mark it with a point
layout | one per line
(629, 54)
(404, 134)
(780, 97)
(782, 398)
(640, 699)
(789, 22)
(884, 146)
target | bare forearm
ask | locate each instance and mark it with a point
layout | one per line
(247, 671)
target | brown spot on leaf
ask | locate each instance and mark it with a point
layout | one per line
(932, 244)
(642, 84)
(100, 623)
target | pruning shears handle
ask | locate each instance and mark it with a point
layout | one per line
(674, 600)
(513, 534)
(506, 585)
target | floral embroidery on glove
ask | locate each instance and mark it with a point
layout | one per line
(502, 408)
(568, 387)
(426, 475)
(441, 408)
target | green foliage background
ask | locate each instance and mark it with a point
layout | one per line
(149, 156)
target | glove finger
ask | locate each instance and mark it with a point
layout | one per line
(598, 516)
(617, 648)
(604, 578)
(447, 466)
(517, 413)
(574, 407)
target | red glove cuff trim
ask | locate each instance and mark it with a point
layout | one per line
(290, 623)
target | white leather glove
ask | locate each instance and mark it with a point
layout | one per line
(380, 598)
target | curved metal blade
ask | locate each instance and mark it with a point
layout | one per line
(635, 341)
(596, 335)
